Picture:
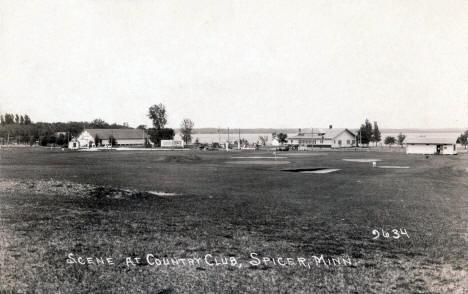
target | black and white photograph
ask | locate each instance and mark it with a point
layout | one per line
(233, 146)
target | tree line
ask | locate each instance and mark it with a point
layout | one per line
(369, 133)
(20, 129)
(10, 118)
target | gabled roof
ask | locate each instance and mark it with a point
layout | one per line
(430, 140)
(333, 133)
(117, 133)
(306, 136)
(327, 134)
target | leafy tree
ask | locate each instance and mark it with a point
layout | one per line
(27, 120)
(98, 124)
(401, 138)
(244, 142)
(32, 140)
(161, 134)
(365, 132)
(142, 127)
(9, 119)
(21, 120)
(51, 139)
(389, 140)
(112, 140)
(376, 137)
(2, 120)
(463, 139)
(186, 127)
(282, 137)
(157, 113)
(263, 140)
(97, 140)
(17, 119)
(60, 140)
(43, 140)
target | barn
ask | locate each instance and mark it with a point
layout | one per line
(329, 138)
(423, 145)
(102, 137)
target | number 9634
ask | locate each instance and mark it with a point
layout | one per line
(394, 233)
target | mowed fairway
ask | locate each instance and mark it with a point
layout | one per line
(231, 210)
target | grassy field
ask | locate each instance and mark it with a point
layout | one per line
(97, 204)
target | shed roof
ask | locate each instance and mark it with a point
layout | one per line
(430, 140)
(117, 133)
(327, 134)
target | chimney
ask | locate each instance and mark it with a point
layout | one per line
(330, 127)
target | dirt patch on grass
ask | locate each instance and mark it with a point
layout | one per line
(76, 190)
(46, 187)
(163, 194)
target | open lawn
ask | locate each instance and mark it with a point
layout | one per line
(96, 204)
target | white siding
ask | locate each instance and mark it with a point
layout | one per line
(449, 149)
(172, 143)
(84, 139)
(129, 141)
(421, 149)
(346, 140)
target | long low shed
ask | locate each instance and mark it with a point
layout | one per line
(423, 145)
(97, 137)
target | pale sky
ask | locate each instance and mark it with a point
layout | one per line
(237, 63)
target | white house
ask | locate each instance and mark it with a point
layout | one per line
(122, 137)
(328, 138)
(424, 145)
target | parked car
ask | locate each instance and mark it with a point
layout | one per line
(282, 148)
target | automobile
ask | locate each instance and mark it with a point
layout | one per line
(282, 148)
(210, 148)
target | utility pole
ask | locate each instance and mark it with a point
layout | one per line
(312, 138)
(238, 142)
